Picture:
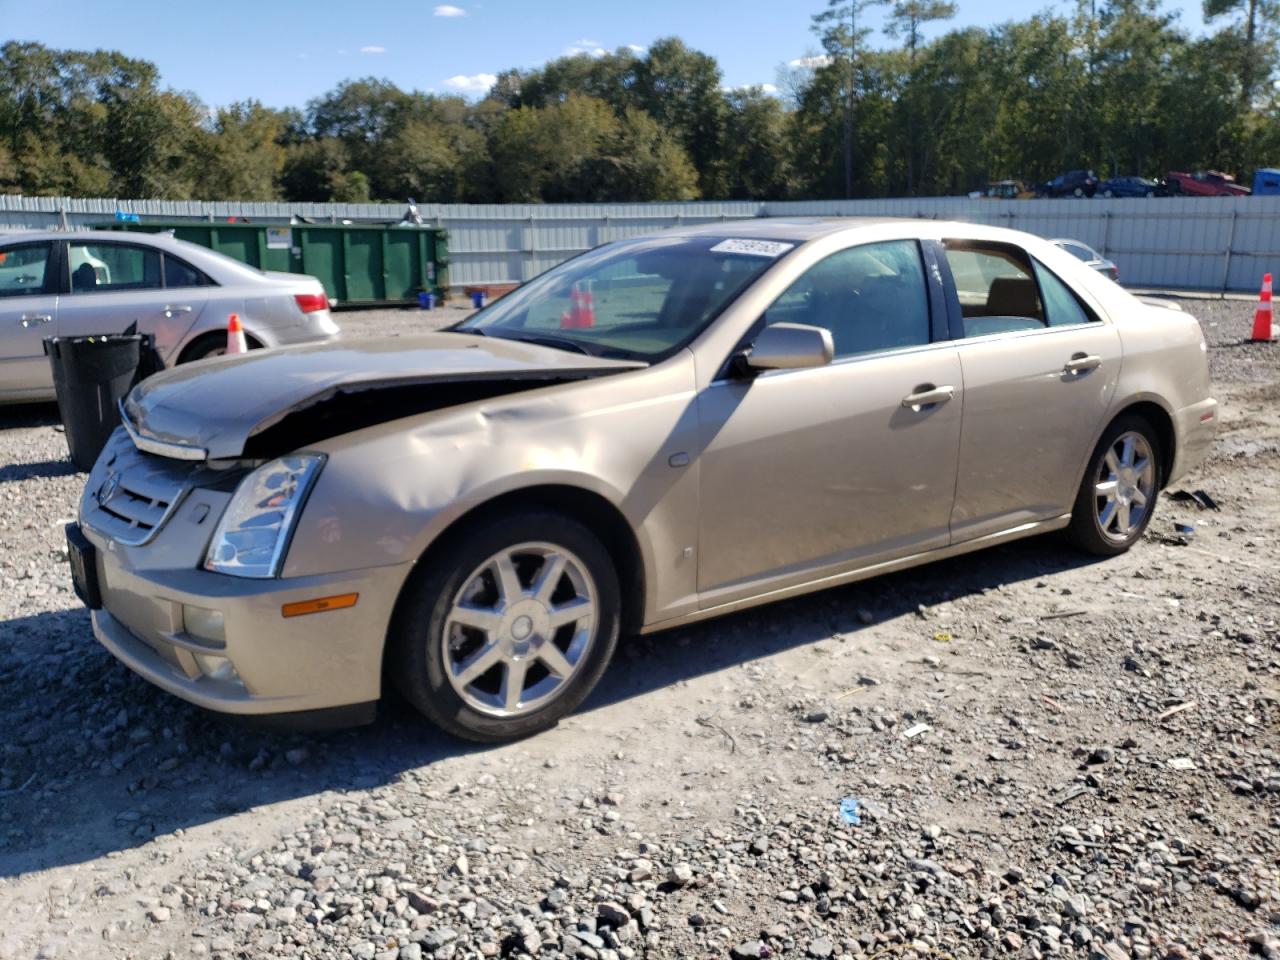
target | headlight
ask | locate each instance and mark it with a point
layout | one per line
(254, 532)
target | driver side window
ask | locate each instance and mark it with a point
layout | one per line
(871, 297)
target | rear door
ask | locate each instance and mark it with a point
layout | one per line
(28, 305)
(1039, 371)
(114, 284)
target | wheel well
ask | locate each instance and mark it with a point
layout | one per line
(250, 340)
(590, 509)
(1162, 423)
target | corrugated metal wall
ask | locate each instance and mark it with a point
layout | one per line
(1201, 243)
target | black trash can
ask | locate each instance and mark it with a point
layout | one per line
(92, 375)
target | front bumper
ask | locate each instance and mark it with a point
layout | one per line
(277, 664)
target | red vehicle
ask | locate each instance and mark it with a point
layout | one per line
(1205, 183)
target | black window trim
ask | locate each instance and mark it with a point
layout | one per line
(65, 265)
(51, 267)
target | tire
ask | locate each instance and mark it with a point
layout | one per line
(211, 345)
(1149, 194)
(1105, 532)
(1077, 192)
(1108, 194)
(431, 651)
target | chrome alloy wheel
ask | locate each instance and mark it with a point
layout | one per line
(1125, 486)
(519, 628)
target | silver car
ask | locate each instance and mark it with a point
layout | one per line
(99, 281)
(1090, 257)
(662, 430)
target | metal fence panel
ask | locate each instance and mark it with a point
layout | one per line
(1206, 243)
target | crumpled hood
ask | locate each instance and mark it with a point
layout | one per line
(212, 408)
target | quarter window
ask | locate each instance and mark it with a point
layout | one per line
(871, 297)
(1062, 306)
(100, 267)
(179, 274)
(23, 269)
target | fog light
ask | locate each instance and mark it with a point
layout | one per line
(206, 625)
(216, 668)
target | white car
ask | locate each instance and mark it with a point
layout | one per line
(100, 281)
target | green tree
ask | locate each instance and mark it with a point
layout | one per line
(844, 38)
(1255, 31)
(907, 20)
(241, 153)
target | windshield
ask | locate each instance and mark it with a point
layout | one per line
(636, 299)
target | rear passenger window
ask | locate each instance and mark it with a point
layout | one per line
(101, 267)
(872, 297)
(1062, 306)
(997, 288)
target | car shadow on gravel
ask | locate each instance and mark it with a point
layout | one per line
(29, 415)
(96, 760)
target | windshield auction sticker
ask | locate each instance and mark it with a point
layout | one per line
(753, 248)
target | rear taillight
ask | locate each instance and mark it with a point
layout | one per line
(311, 302)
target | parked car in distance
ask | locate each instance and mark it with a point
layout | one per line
(1009, 190)
(76, 283)
(1132, 187)
(1090, 257)
(1266, 182)
(1205, 183)
(1073, 183)
(739, 412)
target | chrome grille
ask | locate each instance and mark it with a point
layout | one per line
(136, 495)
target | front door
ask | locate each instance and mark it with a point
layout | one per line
(1039, 372)
(28, 305)
(809, 473)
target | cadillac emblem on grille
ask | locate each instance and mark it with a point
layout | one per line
(108, 489)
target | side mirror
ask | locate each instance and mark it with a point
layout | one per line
(788, 346)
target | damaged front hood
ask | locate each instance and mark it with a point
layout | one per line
(213, 409)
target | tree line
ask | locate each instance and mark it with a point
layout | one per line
(1119, 87)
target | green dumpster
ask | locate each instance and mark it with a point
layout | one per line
(359, 264)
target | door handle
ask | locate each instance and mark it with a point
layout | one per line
(170, 310)
(30, 320)
(927, 395)
(1082, 363)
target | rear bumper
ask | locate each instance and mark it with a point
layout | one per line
(1194, 429)
(267, 664)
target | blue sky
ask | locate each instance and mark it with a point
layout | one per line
(284, 52)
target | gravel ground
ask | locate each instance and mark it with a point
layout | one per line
(1045, 756)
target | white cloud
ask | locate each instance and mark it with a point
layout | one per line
(373, 49)
(812, 62)
(476, 83)
(636, 48)
(591, 52)
(587, 43)
(448, 10)
(766, 88)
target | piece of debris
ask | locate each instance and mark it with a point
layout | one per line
(849, 811)
(912, 732)
(1198, 497)
(1181, 763)
(942, 636)
(1189, 705)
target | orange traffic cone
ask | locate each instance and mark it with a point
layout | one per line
(586, 307)
(235, 336)
(1264, 330)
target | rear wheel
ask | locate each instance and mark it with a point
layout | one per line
(1108, 194)
(508, 628)
(1119, 490)
(1078, 192)
(211, 345)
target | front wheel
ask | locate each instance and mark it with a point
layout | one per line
(508, 628)
(1119, 490)
(1108, 194)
